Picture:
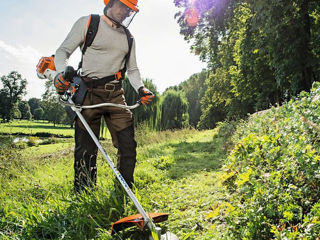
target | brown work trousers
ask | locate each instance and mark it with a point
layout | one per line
(120, 124)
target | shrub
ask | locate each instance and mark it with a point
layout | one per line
(20, 145)
(33, 141)
(50, 140)
(273, 173)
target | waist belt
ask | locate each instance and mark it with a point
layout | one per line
(95, 83)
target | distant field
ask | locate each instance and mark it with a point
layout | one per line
(35, 127)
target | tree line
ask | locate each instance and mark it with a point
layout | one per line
(167, 111)
(13, 107)
(259, 53)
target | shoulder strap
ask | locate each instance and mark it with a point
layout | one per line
(92, 29)
(93, 25)
(130, 42)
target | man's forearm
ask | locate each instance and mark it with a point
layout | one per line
(135, 78)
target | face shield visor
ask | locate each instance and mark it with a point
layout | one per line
(123, 12)
(126, 22)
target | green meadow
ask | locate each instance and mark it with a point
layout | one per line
(25, 127)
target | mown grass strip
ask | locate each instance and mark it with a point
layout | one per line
(35, 128)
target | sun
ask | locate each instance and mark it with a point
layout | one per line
(192, 14)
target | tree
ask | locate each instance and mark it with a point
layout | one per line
(15, 113)
(54, 111)
(3, 106)
(14, 87)
(194, 89)
(288, 28)
(38, 113)
(174, 110)
(25, 110)
(148, 114)
(34, 103)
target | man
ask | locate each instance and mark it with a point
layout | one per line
(103, 67)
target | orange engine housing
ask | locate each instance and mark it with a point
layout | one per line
(46, 63)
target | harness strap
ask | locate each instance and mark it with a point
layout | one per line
(92, 29)
(93, 83)
(130, 42)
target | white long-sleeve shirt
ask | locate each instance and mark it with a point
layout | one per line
(105, 56)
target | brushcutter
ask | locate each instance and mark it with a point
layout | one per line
(141, 220)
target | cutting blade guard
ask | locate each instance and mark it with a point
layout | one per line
(137, 220)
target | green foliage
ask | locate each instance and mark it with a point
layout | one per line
(174, 110)
(194, 89)
(273, 173)
(225, 131)
(38, 113)
(54, 111)
(34, 103)
(15, 112)
(149, 114)
(20, 145)
(14, 87)
(259, 53)
(25, 110)
(50, 140)
(292, 59)
(33, 141)
(164, 162)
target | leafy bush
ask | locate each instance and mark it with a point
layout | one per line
(33, 141)
(50, 140)
(174, 110)
(273, 174)
(225, 130)
(20, 145)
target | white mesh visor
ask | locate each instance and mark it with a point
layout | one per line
(126, 22)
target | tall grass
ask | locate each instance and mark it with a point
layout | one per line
(37, 200)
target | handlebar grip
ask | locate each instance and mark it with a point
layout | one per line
(69, 73)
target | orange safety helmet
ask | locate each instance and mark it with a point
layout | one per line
(132, 4)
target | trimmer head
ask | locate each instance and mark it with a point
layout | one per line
(137, 220)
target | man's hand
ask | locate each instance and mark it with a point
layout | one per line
(61, 84)
(62, 80)
(145, 95)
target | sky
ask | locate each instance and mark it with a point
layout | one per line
(31, 29)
